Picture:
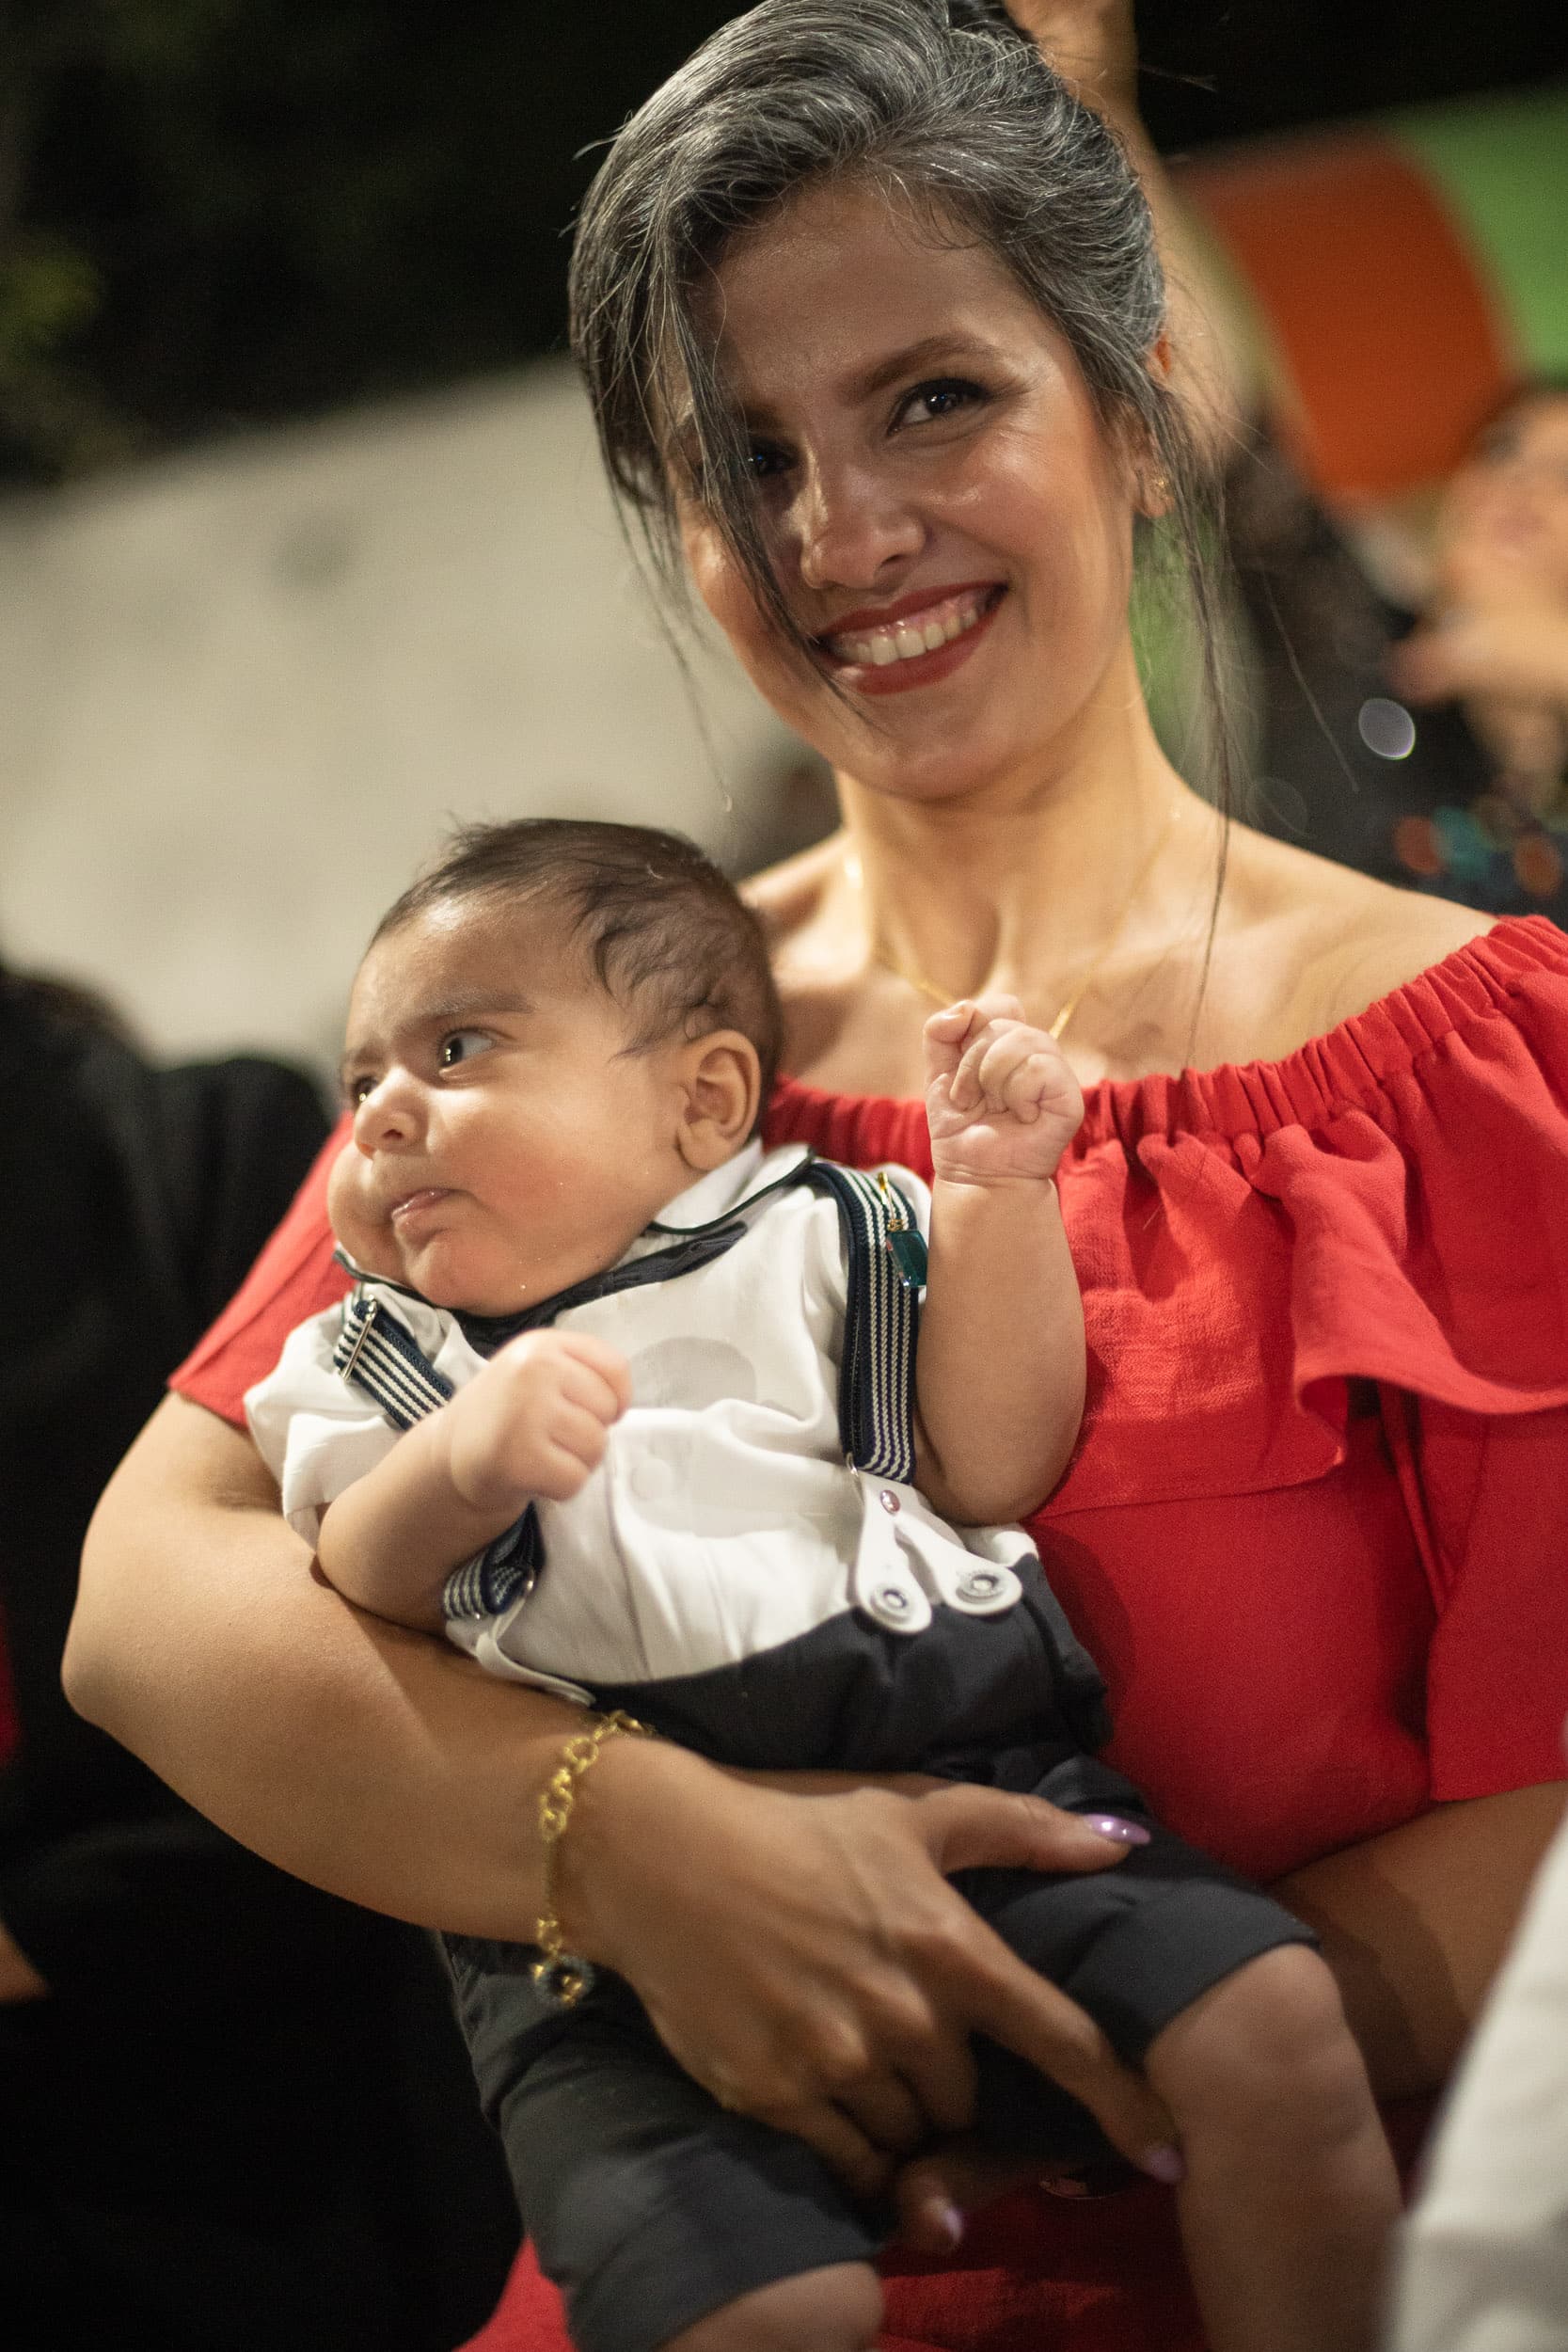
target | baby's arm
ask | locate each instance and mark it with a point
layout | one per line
(1000, 1369)
(532, 1427)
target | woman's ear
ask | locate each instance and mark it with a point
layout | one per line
(1153, 493)
(721, 1093)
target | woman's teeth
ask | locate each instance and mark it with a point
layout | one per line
(917, 633)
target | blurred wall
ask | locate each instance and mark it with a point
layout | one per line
(243, 691)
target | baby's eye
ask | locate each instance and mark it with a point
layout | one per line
(944, 396)
(462, 1045)
(356, 1089)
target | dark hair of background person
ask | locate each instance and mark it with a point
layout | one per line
(661, 927)
(241, 2118)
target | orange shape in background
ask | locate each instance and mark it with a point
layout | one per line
(1378, 307)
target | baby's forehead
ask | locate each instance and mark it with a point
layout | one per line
(481, 933)
(468, 954)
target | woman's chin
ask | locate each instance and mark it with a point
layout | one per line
(949, 771)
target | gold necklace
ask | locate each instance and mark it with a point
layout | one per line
(914, 977)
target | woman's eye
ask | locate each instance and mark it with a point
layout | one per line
(943, 397)
(764, 463)
(460, 1047)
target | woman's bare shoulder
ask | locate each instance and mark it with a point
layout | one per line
(1331, 940)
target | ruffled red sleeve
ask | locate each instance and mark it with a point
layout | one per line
(1313, 1527)
(294, 1279)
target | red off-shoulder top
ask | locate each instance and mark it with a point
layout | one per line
(1313, 1530)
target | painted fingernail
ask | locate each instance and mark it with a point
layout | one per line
(947, 2222)
(1112, 1825)
(1163, 2163)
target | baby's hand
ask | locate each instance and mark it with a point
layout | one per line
(532, 1425)
(1000, 1099)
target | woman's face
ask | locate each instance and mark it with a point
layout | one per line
(947, 517)
(1503, 522)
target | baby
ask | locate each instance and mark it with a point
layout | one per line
(637, 1415)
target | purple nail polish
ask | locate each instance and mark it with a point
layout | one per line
(1112, 1825)
(1163, 2163)
(950, 2222)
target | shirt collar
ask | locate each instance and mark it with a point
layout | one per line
(720, 1192)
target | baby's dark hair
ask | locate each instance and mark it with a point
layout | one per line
(661, 929)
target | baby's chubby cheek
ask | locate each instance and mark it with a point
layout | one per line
(357, 1229)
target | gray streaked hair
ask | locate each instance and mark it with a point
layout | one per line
(946, 105)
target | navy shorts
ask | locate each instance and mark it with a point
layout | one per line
(650, 2205)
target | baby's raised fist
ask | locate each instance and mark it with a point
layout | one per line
(1000, 1099)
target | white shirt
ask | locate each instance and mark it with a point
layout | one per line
(724, 1519)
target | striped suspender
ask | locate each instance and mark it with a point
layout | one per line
(377, 1353)
(886, 1261)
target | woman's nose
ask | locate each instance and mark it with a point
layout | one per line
(853, 528)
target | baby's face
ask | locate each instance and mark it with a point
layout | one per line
(507, 1140)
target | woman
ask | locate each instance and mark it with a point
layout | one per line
(871, 311)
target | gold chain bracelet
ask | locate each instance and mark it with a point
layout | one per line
(557, 1971)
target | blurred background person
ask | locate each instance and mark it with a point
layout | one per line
(235, 2111)
(1401, 662)
(1419, 731)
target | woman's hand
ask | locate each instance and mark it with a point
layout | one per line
(1513, 651)
(1091, 43)
(805, 1959)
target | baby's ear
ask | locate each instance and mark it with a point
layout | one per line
(722, 1091)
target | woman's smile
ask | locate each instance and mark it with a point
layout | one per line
(917, 641)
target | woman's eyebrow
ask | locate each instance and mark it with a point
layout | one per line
(911, 359)
(948, 349)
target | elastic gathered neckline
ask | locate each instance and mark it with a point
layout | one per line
(1347, 1068)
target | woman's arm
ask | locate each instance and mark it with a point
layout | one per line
(342, 1748)
(803, 1955)
(1093, 45)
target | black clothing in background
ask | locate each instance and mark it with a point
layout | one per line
(243, 2118)
(1343, 767)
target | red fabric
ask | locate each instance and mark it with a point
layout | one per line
(1313, 1529)
(293, 1279)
